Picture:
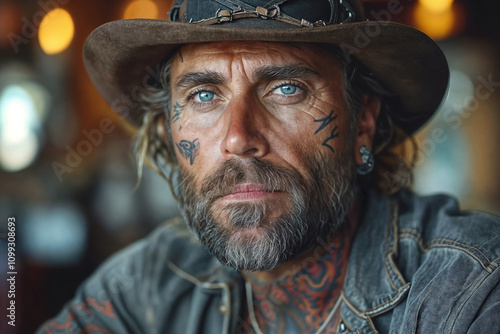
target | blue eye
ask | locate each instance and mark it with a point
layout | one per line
(204, 96)
(288, 89)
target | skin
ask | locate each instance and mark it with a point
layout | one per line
(235, 113)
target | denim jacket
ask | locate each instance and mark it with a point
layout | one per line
(417, 265)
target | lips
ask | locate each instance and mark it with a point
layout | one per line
(248, 191)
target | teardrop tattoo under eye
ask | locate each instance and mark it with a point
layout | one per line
(178, 108)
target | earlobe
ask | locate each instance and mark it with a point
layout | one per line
(368, 161)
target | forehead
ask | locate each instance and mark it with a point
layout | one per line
(221, 56)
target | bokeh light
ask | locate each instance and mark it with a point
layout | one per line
(19, 126)
(56, 31)
(443, 167)
(436, 24)
(442, 170)
(436, 6)
(54, 235)
(141, 9)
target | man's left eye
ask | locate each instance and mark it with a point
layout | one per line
(286, 90)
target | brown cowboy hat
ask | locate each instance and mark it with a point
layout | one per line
(121, 56)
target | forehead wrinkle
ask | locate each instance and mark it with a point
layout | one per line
(251, 61)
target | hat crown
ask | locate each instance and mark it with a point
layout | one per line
(294, 12)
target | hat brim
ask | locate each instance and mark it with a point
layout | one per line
(120, 56)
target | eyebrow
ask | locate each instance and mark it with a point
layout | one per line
(285, 72)
(271, 72)
(200, 78)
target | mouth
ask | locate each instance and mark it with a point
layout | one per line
(249, 191)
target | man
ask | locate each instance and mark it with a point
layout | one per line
(282, 131)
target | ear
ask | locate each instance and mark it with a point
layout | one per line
(367, 125)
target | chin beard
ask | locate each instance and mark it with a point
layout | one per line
(242, 235)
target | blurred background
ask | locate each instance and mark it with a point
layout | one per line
(66, 170)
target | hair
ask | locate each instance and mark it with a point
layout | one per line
(395, 151)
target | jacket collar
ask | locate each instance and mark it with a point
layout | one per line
(373, 284)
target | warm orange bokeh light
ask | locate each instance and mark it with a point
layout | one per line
(56, 31)
(437, 6)
(437, 25)
(141, 9)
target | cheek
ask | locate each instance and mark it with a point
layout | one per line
(321, 126)
(197, 150)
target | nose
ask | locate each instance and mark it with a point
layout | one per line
(244, 120)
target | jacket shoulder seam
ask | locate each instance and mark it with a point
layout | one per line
(476, 253)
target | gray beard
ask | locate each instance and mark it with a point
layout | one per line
(316, 208)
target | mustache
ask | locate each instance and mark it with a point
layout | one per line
(253, 170)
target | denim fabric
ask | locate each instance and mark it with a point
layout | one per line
(418, 265)
(436, 270)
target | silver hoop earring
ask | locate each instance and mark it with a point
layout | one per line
(368, 161)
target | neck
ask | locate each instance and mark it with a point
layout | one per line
(301, 293)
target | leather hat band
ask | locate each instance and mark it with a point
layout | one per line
(320, 12)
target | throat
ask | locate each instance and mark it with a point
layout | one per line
(302, 302)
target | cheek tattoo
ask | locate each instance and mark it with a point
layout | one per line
(333, 134)
(177, 112)
(324, 122)
(189, 149)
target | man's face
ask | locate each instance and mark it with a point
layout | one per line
(263, 138)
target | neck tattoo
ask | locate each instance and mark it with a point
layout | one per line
(304, 301)
(255, 325)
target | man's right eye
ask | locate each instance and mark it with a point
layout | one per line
(204, 96)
